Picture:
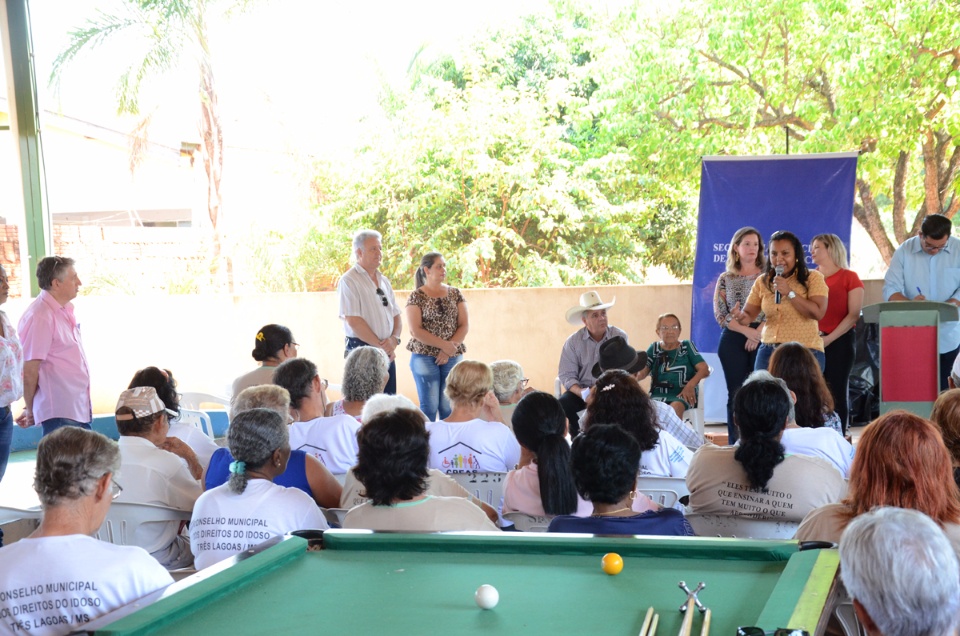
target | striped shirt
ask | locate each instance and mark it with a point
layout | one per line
(580, 353)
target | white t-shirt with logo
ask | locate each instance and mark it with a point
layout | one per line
(332, 440)
(820, 442)
(54, 585)
(225, 523)
(473, 446)
(669, 458)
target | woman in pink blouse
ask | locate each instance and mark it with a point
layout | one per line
(437, 315)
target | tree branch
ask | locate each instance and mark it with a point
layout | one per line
(900, 197)
(868, 215)
(931, 190)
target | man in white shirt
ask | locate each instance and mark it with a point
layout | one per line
(156, 469)
(901, 572)
(367, 306)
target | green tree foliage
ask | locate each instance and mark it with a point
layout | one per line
(734, 76)
(477, 159)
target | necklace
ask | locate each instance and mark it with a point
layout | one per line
(610, 512)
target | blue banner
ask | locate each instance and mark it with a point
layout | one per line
(803, 194)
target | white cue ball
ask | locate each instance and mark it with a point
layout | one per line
(486, 597)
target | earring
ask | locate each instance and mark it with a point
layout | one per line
(633, 495)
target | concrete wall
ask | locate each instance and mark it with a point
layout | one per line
(206, 340)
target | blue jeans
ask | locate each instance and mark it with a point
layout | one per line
(6, 438)
(764, 351)
(391, 388)
(431, 379)
(54, 423)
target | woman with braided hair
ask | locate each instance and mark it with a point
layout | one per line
(250, 508)
(757, 479)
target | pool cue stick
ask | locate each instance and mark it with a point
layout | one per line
(653, 625)
(687, 619)
(646, 622)
(705, 630)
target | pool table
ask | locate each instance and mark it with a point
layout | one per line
(384, 583)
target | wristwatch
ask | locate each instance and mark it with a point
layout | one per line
(398, 338)
(792, 295)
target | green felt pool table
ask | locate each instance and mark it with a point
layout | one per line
(382, 583)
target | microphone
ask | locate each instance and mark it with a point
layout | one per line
(779, 270)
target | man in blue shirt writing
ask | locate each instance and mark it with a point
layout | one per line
(927, 267)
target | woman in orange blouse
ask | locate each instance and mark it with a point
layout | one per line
(792, 298)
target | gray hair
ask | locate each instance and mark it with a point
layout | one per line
(507, 376)
(900, 566)
(70, 460)
(381, 403)
(361, 237)
(364, 373)
(252, 438)
(50, 268)
(266, 396)
(763, 375)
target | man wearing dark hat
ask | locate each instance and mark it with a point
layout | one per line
(581, 352)
(615, 353)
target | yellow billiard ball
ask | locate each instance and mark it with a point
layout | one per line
(612, 563)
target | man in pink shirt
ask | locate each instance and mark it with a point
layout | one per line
(56, 379)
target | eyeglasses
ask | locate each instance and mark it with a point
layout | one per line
(115, 487)
(927, 247)
(295, 345)
(324, 383)
(669, 328)
(756, 631)
(383, 297)
(524, 382)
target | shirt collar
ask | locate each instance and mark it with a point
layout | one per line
(48, 298)
(918, 246)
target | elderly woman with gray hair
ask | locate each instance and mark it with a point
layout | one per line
(250, 505)
(304, 471)
(509, 386)
(76, 480)
(365, 373)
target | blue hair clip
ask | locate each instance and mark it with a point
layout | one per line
(238, 467)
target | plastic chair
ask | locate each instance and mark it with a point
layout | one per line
(123, 519)
(193, 400)
(694, 417)
(741, 527)
(199, 419)
(9, 514)
(334, 516)
(557, 387)
(665, 491)
(528, 523)
(487, 487)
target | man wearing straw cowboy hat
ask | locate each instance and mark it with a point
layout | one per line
(581, 352)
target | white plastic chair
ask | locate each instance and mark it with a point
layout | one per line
(528, 523)
(487, 487)
(9, 514)
(665, 491)
(694, 417)
(194, 400)
(123, 519)
(199, 419)
(334, 516)
(741, 527)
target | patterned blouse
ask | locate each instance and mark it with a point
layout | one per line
(732, 289)
(11, 364)
(438, 316)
